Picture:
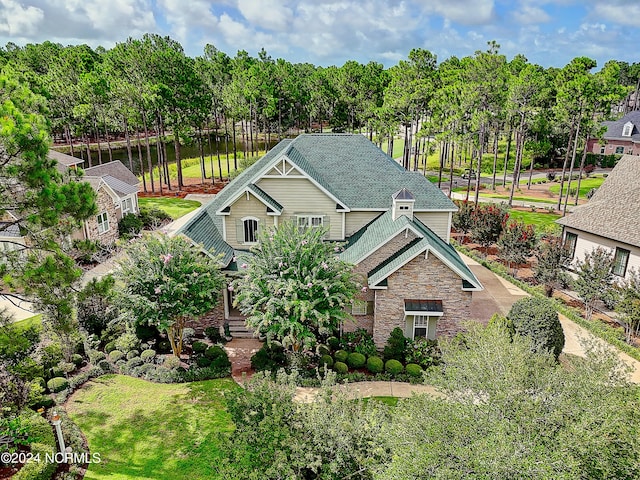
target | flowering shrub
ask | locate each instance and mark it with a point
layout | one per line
(422, 352)
(359, 341)
(488, 222)
(516, 243)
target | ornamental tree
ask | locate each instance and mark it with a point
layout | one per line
(537, 319)
(294, 286)
(549, 270)
(463, 219)
(516, 243)
(166, 281)
(594, 278)
(628, 308)
(488, 222)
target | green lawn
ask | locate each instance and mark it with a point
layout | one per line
(150, 431)
(534, 218)
(518, 198)
(391, 401)
(585, 186)
(174, 207)
(36, 320)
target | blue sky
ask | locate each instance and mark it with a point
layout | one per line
(329, 32)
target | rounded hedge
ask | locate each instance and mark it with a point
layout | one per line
(104, 365)
(393, 367)
(375, 364)
(214, 352)
(116, 355)
(323, 350)
(356, 360)
(39, 381)
(134, 362)
(340, 367)
(413, 370)
(148, 356)
(199, 347)
(341, 356)
(57, 384)
(77, 359)
(537, 319)
(203, 362)
(333, 342)
(132, 354)
(326, 360)
(220, 363)
(110, 347)
(56, 372)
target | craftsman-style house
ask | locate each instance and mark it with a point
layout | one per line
(611, 219)
(395, 223)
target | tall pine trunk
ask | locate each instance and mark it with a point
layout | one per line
(144, 180)
(145, 125)
(564, 165)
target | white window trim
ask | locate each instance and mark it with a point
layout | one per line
(244, 240)
(624, 265)
(432, 317)
(309, 220)
(101, 227)
(124, 208)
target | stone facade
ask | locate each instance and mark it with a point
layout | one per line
(423, 279)
(105, 203)
(213, 318)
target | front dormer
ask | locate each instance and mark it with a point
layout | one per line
(403, 202)
(627, 129)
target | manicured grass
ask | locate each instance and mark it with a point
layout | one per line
(518, 198)
(434, 178)
(538, 220)
(35, 321)
(174, 207)
(585, 186)
(391, 401)
(151, 431)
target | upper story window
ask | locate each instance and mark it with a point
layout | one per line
(103, 222)
(250, 230)
(627, 129)
(620, 261)
(313, 221)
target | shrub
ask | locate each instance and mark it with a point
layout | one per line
(340, 367)
(187, 335)
(393, 367)
(116, 355)
(396, 345)
(57, 384)
(213, 334)
(104, 365)
(56, 372)
(110, 347)
(424, 352)
(333, 342)
(199, 347)
(356, 360)
(414, 370)
(148, 356)
(77, 359)
(129, 226)
(214, 352)
(375, 364)
(153, 218)
(164, 346)
(537, 319)
(42, 470)
(95, 356)
(359, 341)
(39, 381)
(341, 356)
(134, 362)
(132, 354)
(326, 360)
(220, 363)
(270, 357)
(323, 350)
(171, 362)
(127, 342)
(146, 332)
(203, 362)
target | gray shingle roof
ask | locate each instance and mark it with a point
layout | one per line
(206, 232)
(118, 186)
(372, 235)
(614, 128)
(9, 229)
(64, 159)
(116, 169)
(613, 211)
(403, 194)
(265, 197)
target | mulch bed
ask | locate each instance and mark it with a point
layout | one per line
(191, 185)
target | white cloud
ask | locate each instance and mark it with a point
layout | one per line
(530, 14)
(17, 20)
(268, 14)
(622, 12)
(184, 16)
(465, 12)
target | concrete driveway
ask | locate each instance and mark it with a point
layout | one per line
(499, 295)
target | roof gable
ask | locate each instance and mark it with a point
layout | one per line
(615, 129)
(115, 169)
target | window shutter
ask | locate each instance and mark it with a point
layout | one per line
(326, 223)
(239, 231)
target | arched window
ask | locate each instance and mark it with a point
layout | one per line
(628, 128)
(250, 230)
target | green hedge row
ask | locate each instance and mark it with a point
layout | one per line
(597, 328)
(44, 444)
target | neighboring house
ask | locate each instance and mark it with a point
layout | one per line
(611, 219)
(10, 237)
(395, 223)
(622, 137)
(116, 195)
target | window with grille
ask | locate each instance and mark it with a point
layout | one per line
(103, 222)
(620, 261)
(250, 226)
(570, 240)
(424, 327)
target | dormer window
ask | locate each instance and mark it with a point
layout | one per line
(402, 204)
(627, 129)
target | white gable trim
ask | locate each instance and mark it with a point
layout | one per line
(246, 190)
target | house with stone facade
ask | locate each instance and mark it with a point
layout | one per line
(621, 137)
(116, 190)
(611, 219)
(395, 226)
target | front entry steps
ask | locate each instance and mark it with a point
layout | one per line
(238, 329)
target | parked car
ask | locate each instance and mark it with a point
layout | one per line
(469, 174)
